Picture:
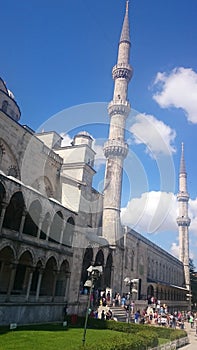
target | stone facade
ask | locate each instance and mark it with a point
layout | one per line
(54, 224)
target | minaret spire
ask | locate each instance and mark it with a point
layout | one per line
(116, 149)
(182, 164)
(125, 34)
(183, 219)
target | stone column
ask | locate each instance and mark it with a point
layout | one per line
(11, 281)
(55, 273)
(22, 222)
(48, 231)
(40, 226)
(102, 276)
(3, 210)
(112, 277)
(29, 284)
(67, 283)
(39, 284)
(62, 233)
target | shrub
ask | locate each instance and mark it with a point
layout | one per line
(177, 334)
(151, 337)
(124, 342)
(128, 336)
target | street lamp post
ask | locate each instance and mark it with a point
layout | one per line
(94, 273)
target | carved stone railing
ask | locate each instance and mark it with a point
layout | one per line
(173, 345)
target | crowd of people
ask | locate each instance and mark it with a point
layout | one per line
(154, 313)
(176, 319)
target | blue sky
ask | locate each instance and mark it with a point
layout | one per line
(56, 55)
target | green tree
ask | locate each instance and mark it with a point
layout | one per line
(193, 279)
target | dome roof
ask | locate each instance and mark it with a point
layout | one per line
(8, 104)
(84, 133)
(3, 86)
(10, 93)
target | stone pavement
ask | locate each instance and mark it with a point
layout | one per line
(192, 338)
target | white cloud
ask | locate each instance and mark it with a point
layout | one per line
(152, 212)
(178, 89)
(66, 139)
(175, 250)
(193, 215)
(99, 156)
(157, 136)
(156, 212)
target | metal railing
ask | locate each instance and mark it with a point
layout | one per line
(173, 345)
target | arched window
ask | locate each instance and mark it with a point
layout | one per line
(6, 260)
(69, 232)
(45, 226)
(108, 271)
(5, 106)
(99, 261)
(22, 273)
(149, 269)
(56, 227)
(32, 219)
(150, 293)
(12, 171)
(87, 261)
(49, 277)
(156, 271)
(62, 280)
(35, 277)
(132, 260)
(14, 211)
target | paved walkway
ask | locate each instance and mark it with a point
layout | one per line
(192, 338)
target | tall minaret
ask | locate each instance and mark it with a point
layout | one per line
(115, 149)
(183, 220)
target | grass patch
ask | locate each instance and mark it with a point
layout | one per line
(100, 335)
(163, 341)
(70, 339)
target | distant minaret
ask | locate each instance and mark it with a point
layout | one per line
(183, 220)
(115, 149)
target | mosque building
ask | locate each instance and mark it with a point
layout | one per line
(54, 225)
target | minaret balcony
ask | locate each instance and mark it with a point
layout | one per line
(122, 70)
(183, 221)
(119, 107)
(182, 197)
(115, 148)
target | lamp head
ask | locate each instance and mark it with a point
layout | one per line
(88, 283)
(127, 280)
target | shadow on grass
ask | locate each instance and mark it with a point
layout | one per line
(49, 327)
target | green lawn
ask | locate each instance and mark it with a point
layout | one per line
(56, 337)
(70, 339)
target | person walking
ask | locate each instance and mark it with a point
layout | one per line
(137, 316)
(191, 320)
(196, 324)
